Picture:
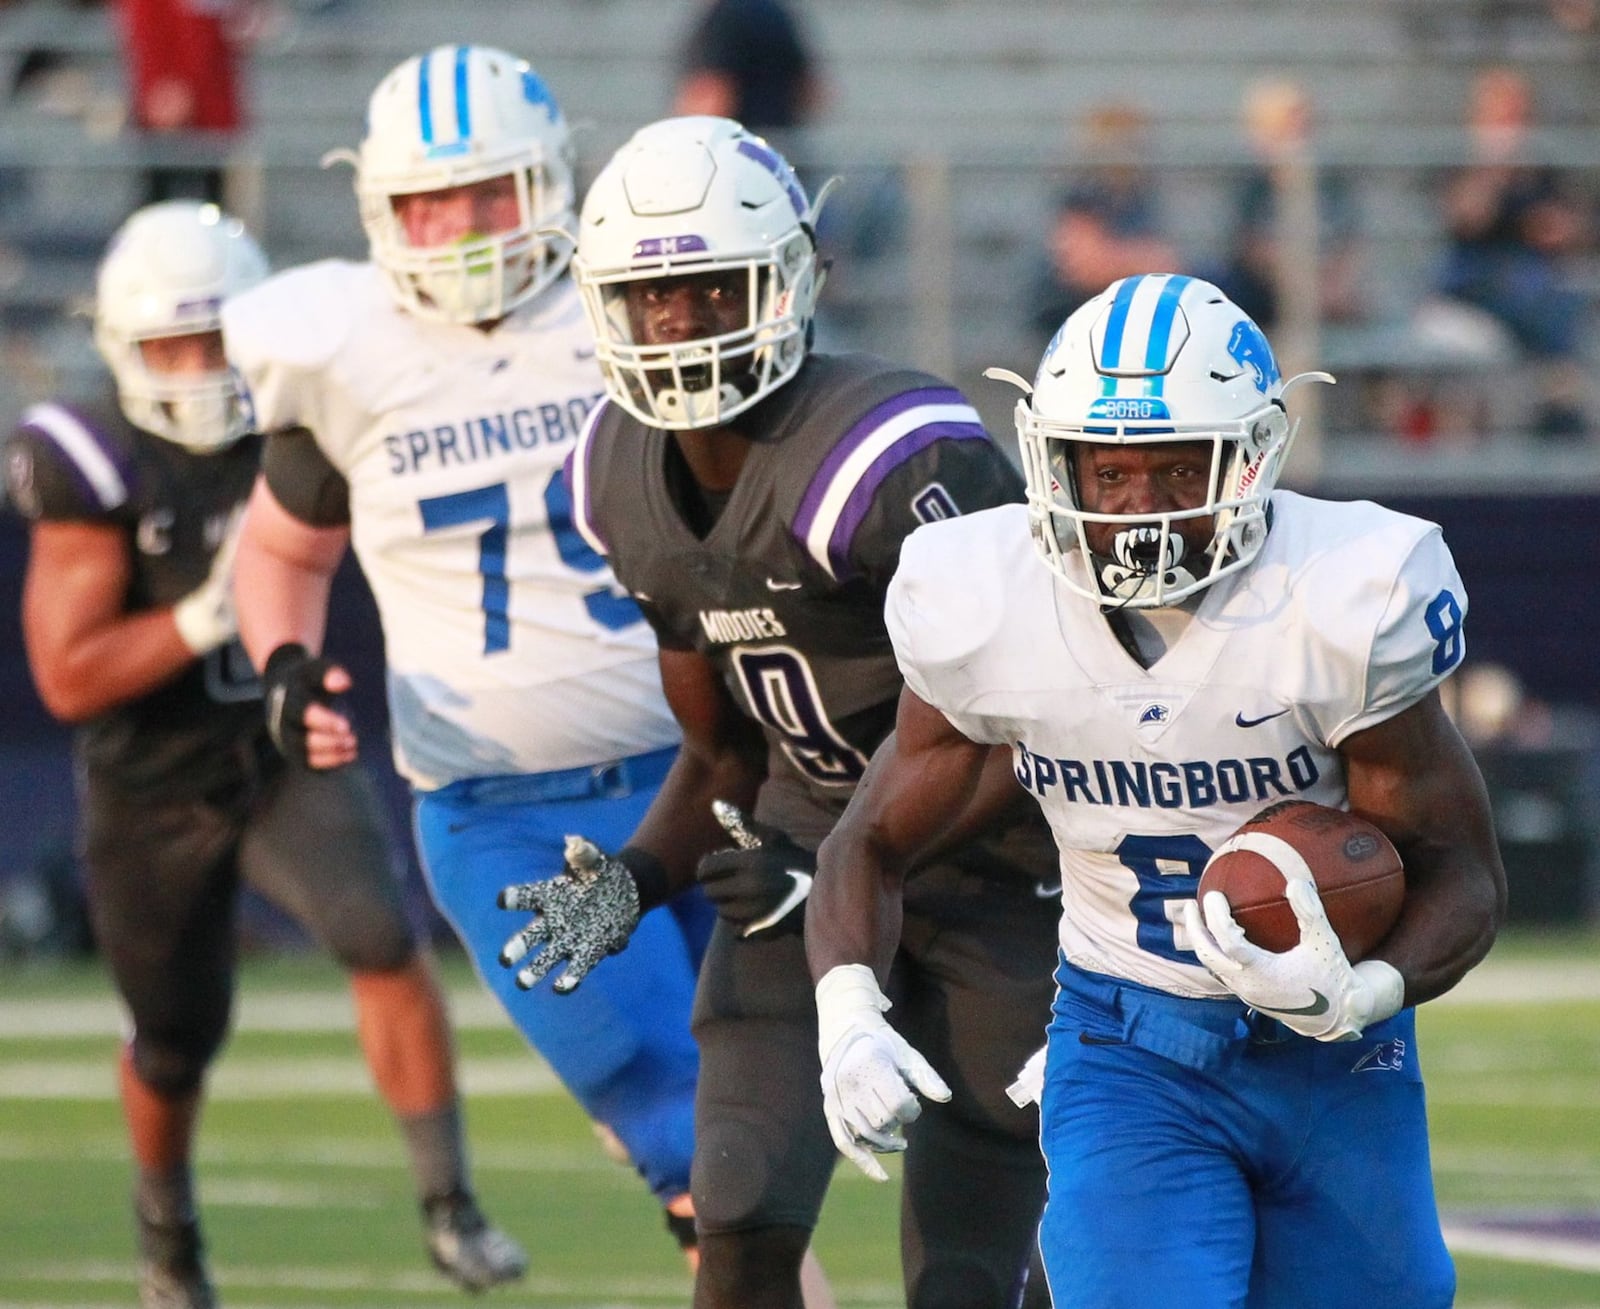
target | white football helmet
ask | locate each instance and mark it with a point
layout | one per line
(697, 195)
(457, 115)
(166, 273)
(1153, 360)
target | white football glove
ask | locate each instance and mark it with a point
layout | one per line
(870, 1075)
(204, 618)
(1312, 989)
(1029, 1086)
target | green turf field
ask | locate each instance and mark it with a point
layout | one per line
(308, 1203)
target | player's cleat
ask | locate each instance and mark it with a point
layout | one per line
(466, 1247)
(172, 1270)
(175, 1288)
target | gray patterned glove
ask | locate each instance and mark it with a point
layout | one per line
(583, 914)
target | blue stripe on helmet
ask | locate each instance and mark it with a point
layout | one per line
(1155, 351)
(463, 106)
(1111, 346)
(425, 99)
(535, 92)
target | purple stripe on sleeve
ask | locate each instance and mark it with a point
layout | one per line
(55, 411)
(870, 422)
(864, 491)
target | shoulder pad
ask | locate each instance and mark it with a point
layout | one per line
(298, 318)
(61, 463)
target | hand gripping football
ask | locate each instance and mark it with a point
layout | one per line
(1355, 867)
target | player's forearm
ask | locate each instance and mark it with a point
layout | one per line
(282, 576)
(279, 598)
(679, 827)
(112, 665)
(1415, 777)
(1455, 903)
(278, 602)
(856, 909)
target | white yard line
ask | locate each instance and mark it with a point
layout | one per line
(1551, 1251)
(474, 1009)
(588, 1293)
(471, 1009)
(269, 1078)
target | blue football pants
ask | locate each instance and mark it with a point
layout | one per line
(620, 1042)
(1203, 1157)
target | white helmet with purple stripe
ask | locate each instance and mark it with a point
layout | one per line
(1154, 360)
(165, 273)
(690, 196)
(456, 115)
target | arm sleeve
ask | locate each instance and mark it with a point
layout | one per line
(303, 480)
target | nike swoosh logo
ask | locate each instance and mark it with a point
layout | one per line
(798, 892)
(773, 584)
(1046, 892)
(583, 354)
(1317, 1006)
(1239, 720)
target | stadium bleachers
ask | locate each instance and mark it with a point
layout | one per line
(967, 104)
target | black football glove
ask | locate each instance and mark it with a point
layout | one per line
(583, 914)
(761, 885)
(292, 681)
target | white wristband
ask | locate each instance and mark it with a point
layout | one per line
(204, 619)
(1385, 989)
(846, 994)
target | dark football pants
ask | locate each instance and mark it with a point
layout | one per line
(163, 881)
(972, 989)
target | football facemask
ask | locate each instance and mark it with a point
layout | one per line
(687, 197)
(165, 274)
(450, 118)
(1155, 360)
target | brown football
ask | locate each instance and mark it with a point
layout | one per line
(1356, 868)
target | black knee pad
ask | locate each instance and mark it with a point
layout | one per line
(174, 1064)
(382, 944)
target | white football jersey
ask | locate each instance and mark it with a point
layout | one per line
(1350, 614)
(510, 648)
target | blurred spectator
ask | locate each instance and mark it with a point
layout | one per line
(1513, 228)
(183, 64)
(1107, 223)
(749, 60)
(1266, 244)
(752, 61)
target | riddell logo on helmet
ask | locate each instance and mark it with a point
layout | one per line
(1248, 477)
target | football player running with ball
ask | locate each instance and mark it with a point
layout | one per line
(129, 622)
(418, 407)
(753, 497)
(1224, 1126)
